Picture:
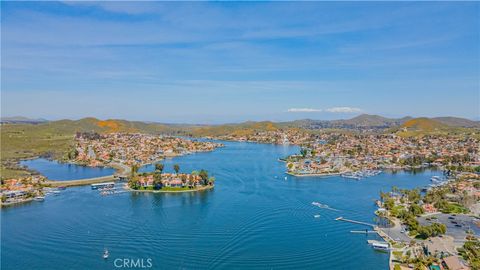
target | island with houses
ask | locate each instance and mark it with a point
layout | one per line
(158, 181)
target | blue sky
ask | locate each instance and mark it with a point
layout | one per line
(215, 62)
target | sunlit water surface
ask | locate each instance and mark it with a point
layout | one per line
(254, 218)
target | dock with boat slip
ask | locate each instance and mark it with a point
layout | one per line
(356, 222)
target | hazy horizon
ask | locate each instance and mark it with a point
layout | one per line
(229, 62)
(219, 123)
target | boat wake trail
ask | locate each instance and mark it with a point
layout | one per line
(324, 206)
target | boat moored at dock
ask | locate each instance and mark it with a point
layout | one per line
(381, 246)
(103, 185)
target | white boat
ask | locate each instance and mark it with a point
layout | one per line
(320, 205)
(39, 198)
(105, 254)
(316, 216)
(381, 246)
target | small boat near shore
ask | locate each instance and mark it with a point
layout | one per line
(360, 174)
(380, 246)
(39, 198)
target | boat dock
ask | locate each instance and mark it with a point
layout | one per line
(356, 222)
(363, 232)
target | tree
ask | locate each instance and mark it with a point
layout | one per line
(290, 166)
(134, 170)
(414, 196)
(389, 203)
(184, 178)
(211, 180)
(159, 167)
(176, 168)
(303, 152)
(133, 183)
(204, 176)
(415, 209)
(157, 180)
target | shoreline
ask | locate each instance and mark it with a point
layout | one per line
(313, 174)
(208, 187)
(121, 170)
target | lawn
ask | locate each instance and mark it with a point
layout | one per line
(454, 208)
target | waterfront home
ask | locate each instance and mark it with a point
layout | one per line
(21, 189)
(429, 208)
(180, 180)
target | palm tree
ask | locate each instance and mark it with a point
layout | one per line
(176, 168)
(159, 167)
(157, 180)
(134, 170)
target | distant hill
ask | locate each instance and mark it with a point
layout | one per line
(21, 120)
(363, 121)
(104, 126)
(458, 122)
(54, 138)
(241, 129)
(423, 124)
(371, 121)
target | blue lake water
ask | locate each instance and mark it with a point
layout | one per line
(54, 170)
(252, 219)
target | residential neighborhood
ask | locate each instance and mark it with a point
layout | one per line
(337, 153)
(93, 149)
(438, 228)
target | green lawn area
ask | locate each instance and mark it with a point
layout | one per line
(175, 188)
(167, 188)
(454, 208)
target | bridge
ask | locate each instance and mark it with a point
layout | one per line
(122, 171)
(81, 182)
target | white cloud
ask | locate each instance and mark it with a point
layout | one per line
(343, 110)
(304, 110)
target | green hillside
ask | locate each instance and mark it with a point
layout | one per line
(242, 129)
(20, 141)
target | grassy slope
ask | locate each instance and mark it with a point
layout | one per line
(242, 129)
(426, 126)
(20, 141)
